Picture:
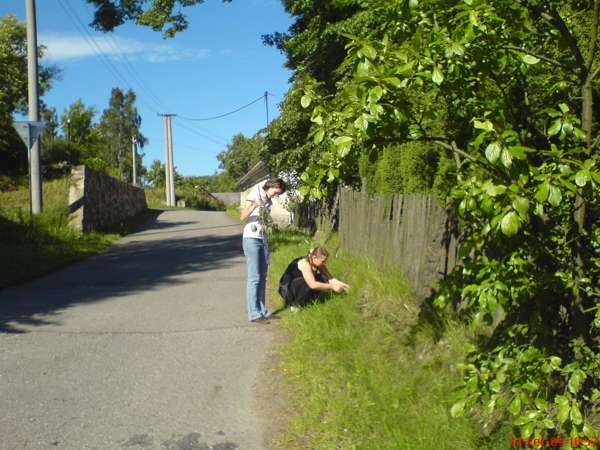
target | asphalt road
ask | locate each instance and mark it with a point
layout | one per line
(143, 347)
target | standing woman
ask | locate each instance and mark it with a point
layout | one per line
(256, 247)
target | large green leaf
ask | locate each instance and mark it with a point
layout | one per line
(575, 415)
(318, 137)
(437, 76)
(492, 151)
(361, 123)
(555, 127)
(582, 177)
(528, 59)
(506, 158)
(554, 196)
(457, 409)
(510, 224)
(542, 192)
(564, 408)
(369, 51)
(342, 140)
(515, 406)
(575, 381)
(521, 205)
(485, 125)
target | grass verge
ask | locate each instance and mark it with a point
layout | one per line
(155, 197)
(363, 371)
(234, 212)
(33, 246)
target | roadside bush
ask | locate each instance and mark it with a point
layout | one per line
(202, 202)
(59, 150)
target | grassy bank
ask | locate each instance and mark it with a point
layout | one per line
(30, 247)
(155, 197)
(233, 211)
(363, 370)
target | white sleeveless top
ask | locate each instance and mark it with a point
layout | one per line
(253, 229)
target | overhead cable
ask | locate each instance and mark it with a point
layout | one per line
(69, 10)
(222, 115)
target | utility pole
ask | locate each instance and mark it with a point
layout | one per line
(134, 161)
(171, 163)
(35, 178)
(267, 106)
(169, 169)
(137, 121)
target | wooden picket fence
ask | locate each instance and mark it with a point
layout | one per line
(411, 231)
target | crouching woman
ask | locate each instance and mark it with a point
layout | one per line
(306, 278)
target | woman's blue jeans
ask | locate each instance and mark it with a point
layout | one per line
(257, 277)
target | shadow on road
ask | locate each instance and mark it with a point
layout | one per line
(135, 266)
(185, 230)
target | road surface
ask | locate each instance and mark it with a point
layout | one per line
(143, 347)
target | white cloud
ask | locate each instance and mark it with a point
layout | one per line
(61, 47)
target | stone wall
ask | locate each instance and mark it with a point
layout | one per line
(411, 231)
(100, 202)
(229, 198)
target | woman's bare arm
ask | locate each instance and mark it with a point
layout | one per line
(325, 271)
(248, 209)
(309, 277)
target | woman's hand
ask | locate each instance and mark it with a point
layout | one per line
(338, 286)
(251, 207)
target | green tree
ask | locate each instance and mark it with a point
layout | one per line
(50, 116)
(241, 155)
(159, 15)
(77, 122)
(287, 147)
(156, 174)
(13, 89)
(314, 48)
(119, 124)
(218, 182)
(507, 89)
(313, 44)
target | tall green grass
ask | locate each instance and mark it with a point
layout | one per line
(33, 246)
(233, 211)
(155, 197)
(365, 370)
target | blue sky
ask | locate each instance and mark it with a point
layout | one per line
(217, 65)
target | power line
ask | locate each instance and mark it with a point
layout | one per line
(223, 115)
(75, 19)
(191, 130)
(178, 144)
(131, 69)
(69, 10)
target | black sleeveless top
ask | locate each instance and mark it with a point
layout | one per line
(291, 273)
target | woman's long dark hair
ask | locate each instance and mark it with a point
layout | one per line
(274, 183)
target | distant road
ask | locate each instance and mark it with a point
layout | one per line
(143, 347)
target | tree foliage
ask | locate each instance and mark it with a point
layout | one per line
(119, 124)
(506, 89)
(156, 174)
(159, 15)
(314, 48)
(218, 182)
(241, 155)
(13, 89)
(77, 122)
